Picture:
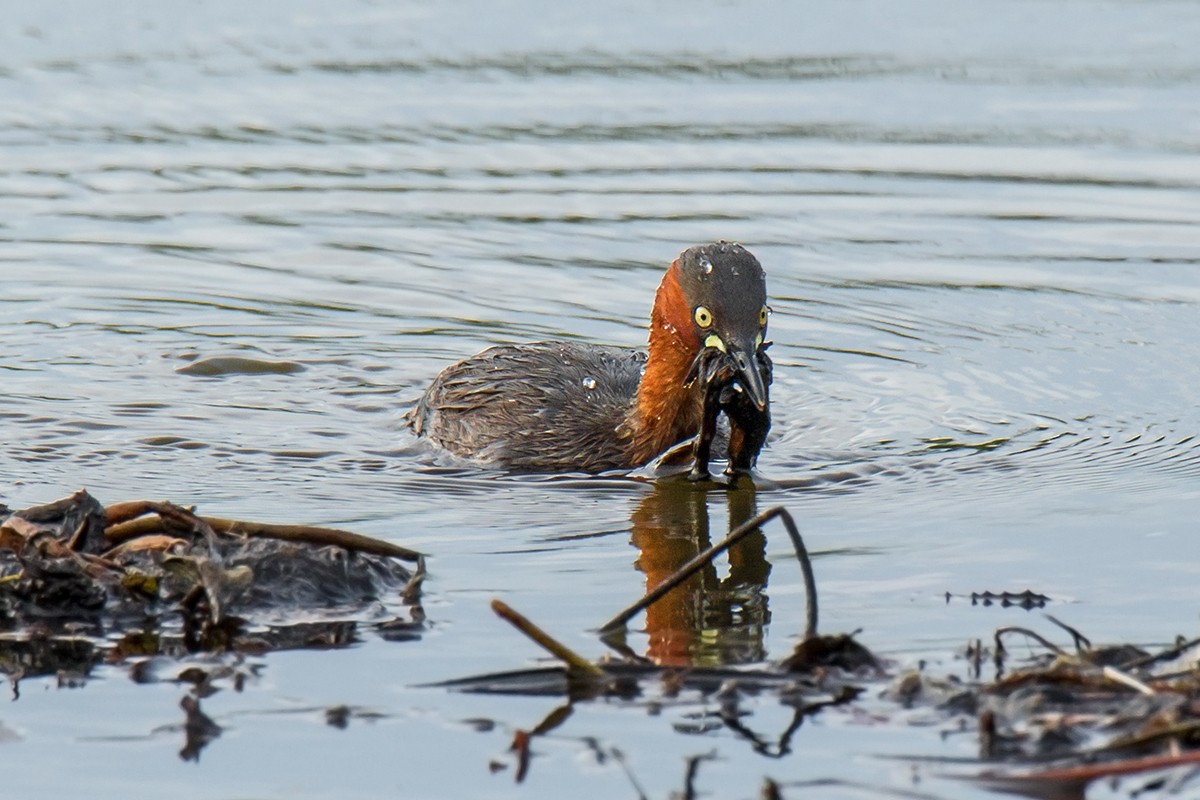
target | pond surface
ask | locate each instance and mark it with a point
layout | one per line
(979, 223)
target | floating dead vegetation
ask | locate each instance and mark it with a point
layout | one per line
(190, 599)
(1073, 716)
(1061, 721)
(82, 583)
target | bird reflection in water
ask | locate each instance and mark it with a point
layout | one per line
(707, 620)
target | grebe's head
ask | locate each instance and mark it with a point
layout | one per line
(719, 303)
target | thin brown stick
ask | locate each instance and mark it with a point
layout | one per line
(1037, 637)
(411, 593)
(117, 513)
(128, 528)
(1157, 736)
(1084, 773)
(701, 559)
(121, 532)
(680, 575)
(810, 580)
(1082, 643)
(311, 534)
(575, 662)
(1165, 655)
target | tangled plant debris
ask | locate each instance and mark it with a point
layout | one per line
(1048, 729)
(167, 582)
(191, 599)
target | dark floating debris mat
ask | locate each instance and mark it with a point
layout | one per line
(186, 597)
(80, 582)
(1048, 729)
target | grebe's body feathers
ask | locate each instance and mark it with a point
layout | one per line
(534, 407)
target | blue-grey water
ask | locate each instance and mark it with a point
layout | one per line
(981, 228)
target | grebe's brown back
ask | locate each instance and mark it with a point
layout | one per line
(563, 406)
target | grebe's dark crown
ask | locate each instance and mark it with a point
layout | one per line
(727, 289)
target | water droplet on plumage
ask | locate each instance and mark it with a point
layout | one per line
(589, 382)
(706, 266)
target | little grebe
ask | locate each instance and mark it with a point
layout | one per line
(563, 406)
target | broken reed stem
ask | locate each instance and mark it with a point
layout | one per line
(117, 513)
(411, 593)
(128, 527)
(1037, 637)
(122, 532)
(1117, 676)
(1165, 655)
(575, 662)
(810, 580)
(310, 534)
(701, 559)
(1084, 773)
(1082, 643)
(168, 512)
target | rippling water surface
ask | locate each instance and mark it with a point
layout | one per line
(980, 227)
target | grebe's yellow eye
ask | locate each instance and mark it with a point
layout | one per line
(762, 317)
(703, 316)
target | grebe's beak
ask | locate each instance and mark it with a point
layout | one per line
(716, 357)
(748, 375)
